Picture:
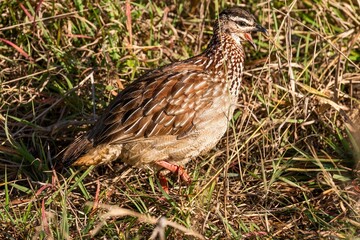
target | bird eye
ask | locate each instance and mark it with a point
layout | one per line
(241, 23)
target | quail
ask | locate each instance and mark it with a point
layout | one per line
(172, 114)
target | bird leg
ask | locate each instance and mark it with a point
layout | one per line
(163, 182)
(175, 169)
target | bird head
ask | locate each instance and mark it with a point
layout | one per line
(239, 24)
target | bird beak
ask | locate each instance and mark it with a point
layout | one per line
(248, 37)
(260, 28)
(251, 41)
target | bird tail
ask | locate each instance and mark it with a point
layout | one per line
(75, 150)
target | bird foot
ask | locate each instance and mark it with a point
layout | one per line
(174, 169)
(163, 182)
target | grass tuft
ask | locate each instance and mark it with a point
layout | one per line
(288, 167)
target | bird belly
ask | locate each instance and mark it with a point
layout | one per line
(213, 124)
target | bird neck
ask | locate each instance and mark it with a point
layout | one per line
(225, 56)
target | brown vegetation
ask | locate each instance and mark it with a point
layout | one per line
(287, 169)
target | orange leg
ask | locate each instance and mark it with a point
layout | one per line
(175, 169)
(163, 182)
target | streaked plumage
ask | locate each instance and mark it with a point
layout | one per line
(176, 112)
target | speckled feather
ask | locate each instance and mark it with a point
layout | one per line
(173, 113)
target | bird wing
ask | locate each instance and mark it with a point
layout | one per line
(165, 101)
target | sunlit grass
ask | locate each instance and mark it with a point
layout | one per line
(286, 169)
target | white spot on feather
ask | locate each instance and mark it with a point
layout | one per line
(236, 38)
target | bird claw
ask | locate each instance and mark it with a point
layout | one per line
(174, 169)
(163, 182)
(183, 174)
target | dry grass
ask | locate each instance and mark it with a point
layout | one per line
(287, 169)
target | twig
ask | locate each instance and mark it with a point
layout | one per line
(160, 223)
